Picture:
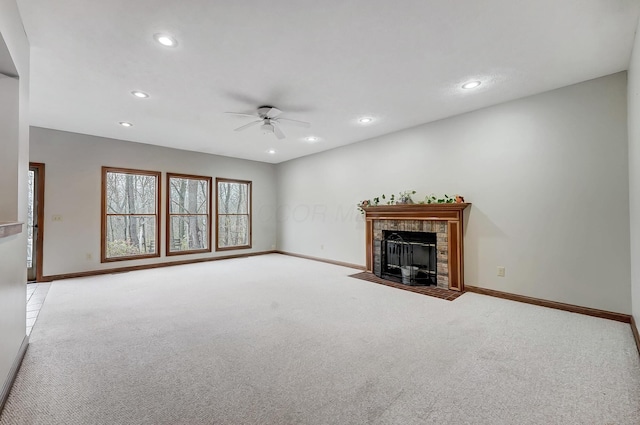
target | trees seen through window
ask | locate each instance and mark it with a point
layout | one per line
(129, 213)
(188, 224)
(233, 214)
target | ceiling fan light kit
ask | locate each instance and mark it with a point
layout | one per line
(269, 119)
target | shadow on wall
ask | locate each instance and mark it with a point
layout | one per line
(483, 230)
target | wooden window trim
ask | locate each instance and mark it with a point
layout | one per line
(249, 213)
(103, 218)
(168, 221)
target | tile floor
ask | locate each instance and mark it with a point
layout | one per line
(36, 294)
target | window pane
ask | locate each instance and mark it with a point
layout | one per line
(233, 230)
(189, 233)
(188, 196)
(233, 198)
(30, 218)
(130, 235)
(130, 193)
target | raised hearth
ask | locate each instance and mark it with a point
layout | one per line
(443, 220)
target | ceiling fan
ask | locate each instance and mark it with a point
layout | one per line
(269, 119)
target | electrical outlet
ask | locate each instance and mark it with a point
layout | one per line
(501, 271)
(89, 256)
(56, 217)
(321, 246)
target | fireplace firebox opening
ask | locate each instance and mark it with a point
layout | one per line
(409, 257)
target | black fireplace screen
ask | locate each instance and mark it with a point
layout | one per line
(409, 257)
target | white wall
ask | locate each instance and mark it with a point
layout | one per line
(634, 173)
(9, 147)
(73, 184)
(13, 270)
(547, 176)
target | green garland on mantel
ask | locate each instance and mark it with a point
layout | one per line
(405, 198)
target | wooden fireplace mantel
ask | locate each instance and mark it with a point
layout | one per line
(451, 213)
(10, 228)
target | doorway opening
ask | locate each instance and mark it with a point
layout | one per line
(35, 221)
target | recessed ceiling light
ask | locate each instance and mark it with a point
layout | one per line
(140, 94)
(126, 124)
(166, 40)
(365, 120)
(311, 139)
(471, 85)
(271, 151)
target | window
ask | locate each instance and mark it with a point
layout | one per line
(189, 210)
(233, 214)
(129, 214)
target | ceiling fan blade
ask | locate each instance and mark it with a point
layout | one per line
(242, 114)
(295, 122)
(273, 112)
(279, 134)
(251, 124)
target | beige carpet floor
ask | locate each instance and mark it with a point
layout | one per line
(281, 340)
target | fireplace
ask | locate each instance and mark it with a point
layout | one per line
(412, 232)
(445, 221)
(409, 257)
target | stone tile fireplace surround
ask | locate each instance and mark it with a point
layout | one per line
(445, 220)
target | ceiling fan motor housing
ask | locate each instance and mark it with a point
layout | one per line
(263, 111)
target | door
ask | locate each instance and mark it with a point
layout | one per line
(35, 214)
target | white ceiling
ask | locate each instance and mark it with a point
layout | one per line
(328, 62)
